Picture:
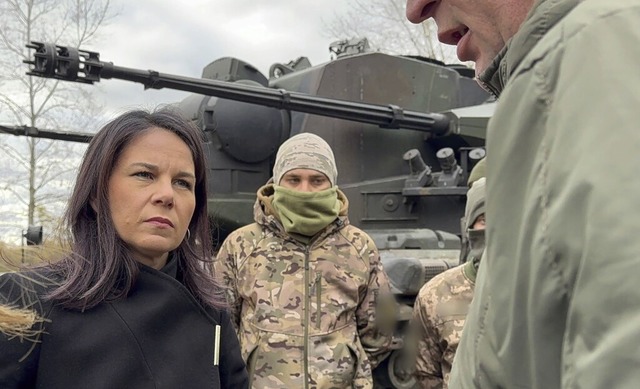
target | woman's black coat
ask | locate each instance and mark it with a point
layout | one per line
(159, 336)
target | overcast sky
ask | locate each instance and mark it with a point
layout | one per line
(182, 37)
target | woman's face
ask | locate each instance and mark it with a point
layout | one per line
(151, 195)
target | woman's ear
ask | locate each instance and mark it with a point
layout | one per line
(92, 202)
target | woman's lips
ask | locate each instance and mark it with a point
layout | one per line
(160, 222)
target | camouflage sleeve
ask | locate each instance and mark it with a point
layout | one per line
(428, 371)
(226, 270)
(376, 313)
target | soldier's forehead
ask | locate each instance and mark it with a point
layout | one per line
(306, 172)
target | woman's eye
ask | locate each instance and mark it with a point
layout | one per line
(143, 174)
(184, 184)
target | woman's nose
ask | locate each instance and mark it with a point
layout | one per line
(163, 194)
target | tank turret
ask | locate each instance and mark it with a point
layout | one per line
(405, 132)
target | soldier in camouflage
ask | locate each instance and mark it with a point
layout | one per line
(304, 284)
(441, 305)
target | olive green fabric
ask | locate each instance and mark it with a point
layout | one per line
(557, 303)
(473, 240)
(476, 199)
(476, 246)
(478, 171)
(305, 213)
(471, 269)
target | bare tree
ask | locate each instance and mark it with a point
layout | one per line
(37, 173)
(384, 24)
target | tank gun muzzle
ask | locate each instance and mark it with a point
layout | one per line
(64, 63)
(71, 64)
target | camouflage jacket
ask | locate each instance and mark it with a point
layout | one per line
(306, 313)
(438, 317)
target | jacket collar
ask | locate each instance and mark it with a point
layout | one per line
(470, 269)
(264, 214)
(171, 267)
(543, 16)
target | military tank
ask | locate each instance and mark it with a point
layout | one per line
(405, 131)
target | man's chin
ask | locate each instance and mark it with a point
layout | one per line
(480, 67)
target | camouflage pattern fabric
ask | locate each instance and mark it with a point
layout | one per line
(305, 314)
(438, 317)
(305, 151)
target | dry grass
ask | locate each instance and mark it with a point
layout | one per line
(17, 322)
(14, 257)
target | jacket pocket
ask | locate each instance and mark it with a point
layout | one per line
(355, 353)
(337, 359)
(252, 358)
(276, 361)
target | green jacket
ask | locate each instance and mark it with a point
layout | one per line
(306, 313)
(557, 301)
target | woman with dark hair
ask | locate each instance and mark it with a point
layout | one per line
(134, 304)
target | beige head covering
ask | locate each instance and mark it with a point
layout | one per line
(479, 170)
(305, 151)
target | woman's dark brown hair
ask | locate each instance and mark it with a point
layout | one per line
(100, 267)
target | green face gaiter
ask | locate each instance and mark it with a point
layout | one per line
(305, 213)
(476, 243)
